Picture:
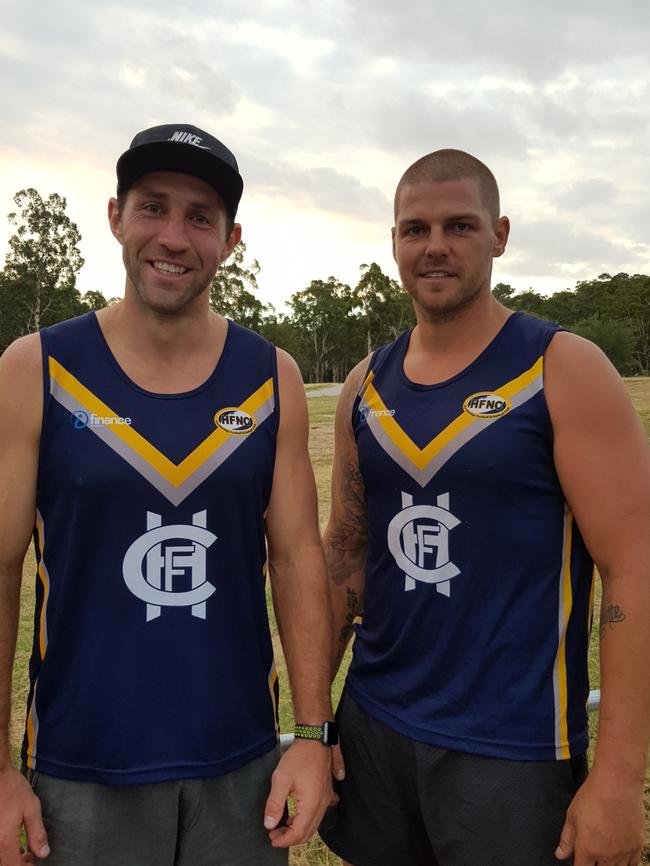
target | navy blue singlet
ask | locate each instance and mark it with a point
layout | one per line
(478, 597)
(152, 657)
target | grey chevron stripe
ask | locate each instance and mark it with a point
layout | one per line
(175, 495)
(424, 476)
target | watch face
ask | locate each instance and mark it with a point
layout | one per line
(330, 734)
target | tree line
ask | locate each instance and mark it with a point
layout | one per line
(330, 326)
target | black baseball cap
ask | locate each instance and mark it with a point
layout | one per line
(185, 148)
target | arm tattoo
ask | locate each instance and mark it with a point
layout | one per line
(347, 542)
(610, 615)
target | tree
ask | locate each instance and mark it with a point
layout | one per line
(528, 301)
(94, 300)
(12, 314)
(283, 333)
(321, 314)
(615, 338)
(503, 293)
(385, 308)
(625, 299)
(42, 264)
(231, 292)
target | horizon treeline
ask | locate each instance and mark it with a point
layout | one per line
(331, 326)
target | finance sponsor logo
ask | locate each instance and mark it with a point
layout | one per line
(81, 419)
(365, 414)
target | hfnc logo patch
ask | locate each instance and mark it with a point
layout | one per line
(418, 538)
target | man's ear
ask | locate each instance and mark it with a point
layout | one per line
(115, 218)
(501, 234)
(392, 236)
(233, 239)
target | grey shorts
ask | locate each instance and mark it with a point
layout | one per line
(405, 803)
(198, 822)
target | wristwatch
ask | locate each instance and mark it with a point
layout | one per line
(327, 733)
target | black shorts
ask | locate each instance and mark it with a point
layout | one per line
(405, 803)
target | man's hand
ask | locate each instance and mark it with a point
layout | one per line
(19, 807)
(303, 773)
(604, 825)
(338, 764)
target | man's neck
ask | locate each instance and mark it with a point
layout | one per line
(164, 353)
(440, 349)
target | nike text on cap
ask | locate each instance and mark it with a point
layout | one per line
(185, 148)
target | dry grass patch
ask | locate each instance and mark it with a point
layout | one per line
(321, 448)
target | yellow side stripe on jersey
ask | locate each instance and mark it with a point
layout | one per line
(31, 739)
(42, 573)
(31, 723)
(421, 457)
(562, 744)
(174, 473)
(273, 678)
(592, 593)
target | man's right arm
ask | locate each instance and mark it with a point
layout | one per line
(21, 404)
(346, 537)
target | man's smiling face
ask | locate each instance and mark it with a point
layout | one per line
(174, 234)
(444, 241)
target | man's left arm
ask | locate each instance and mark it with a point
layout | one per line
(603, 463)
(302, 608)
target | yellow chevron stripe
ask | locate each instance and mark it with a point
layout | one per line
(175, 474)
(563, 687)
(421, 457)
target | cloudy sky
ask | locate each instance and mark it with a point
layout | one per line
(326, 102)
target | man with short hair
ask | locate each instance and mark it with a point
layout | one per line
(483, 462)
(160, 451)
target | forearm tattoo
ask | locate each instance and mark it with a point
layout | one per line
(609, 616)
(346, 544)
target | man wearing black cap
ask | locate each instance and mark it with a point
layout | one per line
(160, 452)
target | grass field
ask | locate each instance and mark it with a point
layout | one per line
(321, 447)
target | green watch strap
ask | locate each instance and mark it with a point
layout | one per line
(327, 733)
(308, 732)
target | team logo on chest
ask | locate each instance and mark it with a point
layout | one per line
(235, 420)
(486, 405)
(166, 566)
(418, 538)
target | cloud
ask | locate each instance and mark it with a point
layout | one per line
(321, 187)
(559, 246)
(599, 191)
(326, 104)
(530, 40)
